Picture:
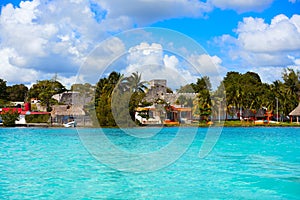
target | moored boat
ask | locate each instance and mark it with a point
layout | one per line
(70, 124)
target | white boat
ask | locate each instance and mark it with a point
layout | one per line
(70, 124)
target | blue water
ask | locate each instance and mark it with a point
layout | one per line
(246, 163)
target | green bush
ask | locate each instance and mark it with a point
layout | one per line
(37, 118)
(9, 117)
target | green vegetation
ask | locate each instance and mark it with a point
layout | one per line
(103, 98)
(3, 92)
(203, 103)
(84, 89)
(17, 92)
(116, 95)
(9, 117)
(248, 92)
(11, 93)
(37, 118)
(44, 90)
(236, 92)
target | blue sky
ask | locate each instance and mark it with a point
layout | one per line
(41, 38)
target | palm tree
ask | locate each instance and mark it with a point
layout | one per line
(292, 81)
(129, 94)
(134, 84)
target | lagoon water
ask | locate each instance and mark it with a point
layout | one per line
(246, 163)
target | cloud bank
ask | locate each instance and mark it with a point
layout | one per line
(42, 37)
(265, 46)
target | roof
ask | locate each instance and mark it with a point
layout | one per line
(71, 98)
(67, 110)
(296, 111)
(172, 107)
(139, 109)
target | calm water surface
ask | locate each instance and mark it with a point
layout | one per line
(246, 163)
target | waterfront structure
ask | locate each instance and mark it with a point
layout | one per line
(71, 98)
(166, 108)
(158, 91)
(295, 113)
(61, 114)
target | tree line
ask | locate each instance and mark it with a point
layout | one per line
(237, 91)
(247, 91)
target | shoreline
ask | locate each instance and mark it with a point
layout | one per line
(200, 125)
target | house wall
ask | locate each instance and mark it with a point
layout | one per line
(158, 90)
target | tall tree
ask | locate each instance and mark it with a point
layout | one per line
(17, 92)
(103, 98)
(243, 90)
(86, 94)
(44, 90)
(290, 90)
(132, 93)
(202, 84)
(203, 88)
(181, 100)
(3, 92)
(134, 84)
(291, 80)
(186, 89)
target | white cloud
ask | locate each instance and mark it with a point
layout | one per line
(154, 63)
(68, 81)
(242, 5)
(44, 37)
(56, 36)
(13, 73)
(296, 61)
(282, 34)
(261, 44)
(206, 64)
(148, 11)
(270, 74)
(100, 60)
(210, 66)
(150, 60)
(23, 15)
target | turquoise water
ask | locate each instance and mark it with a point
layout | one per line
(246, 163)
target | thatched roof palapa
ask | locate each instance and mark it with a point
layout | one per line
(296, 111)
(65, 110)
(76, 110)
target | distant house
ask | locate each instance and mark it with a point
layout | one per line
(70, 98)
(34, 100)
(248, 114)
(18, 104)
(260, 114)
(295, 113)
(65, 113)
(164, 109)
(158, 90)
(173, 115)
